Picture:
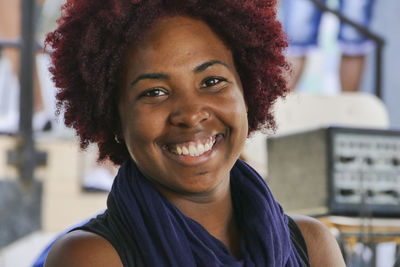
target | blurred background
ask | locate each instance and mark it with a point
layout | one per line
(335, 154)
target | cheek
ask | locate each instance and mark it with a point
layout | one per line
(242, 125)
(238, 111)
(235, 116)
(242, 122)
(139, 138)
(139, 127)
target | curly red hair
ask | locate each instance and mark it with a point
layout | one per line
(93, 36)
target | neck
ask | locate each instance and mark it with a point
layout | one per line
(214, 211)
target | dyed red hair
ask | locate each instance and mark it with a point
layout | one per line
(93, 36)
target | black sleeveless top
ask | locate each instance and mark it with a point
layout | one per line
(109, 226)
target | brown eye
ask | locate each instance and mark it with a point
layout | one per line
(155, 92)
(212, 81)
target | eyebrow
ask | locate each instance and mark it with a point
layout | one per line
(153, 76)
(207, 64)
(163, 76)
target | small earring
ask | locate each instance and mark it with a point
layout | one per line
(117, 139)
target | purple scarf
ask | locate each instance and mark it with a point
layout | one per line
(166, 237)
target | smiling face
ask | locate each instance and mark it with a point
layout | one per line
(182, 109)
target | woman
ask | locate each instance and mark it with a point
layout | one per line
(171, 90)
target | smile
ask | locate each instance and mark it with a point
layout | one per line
(193, 148)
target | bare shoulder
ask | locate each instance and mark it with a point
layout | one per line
(81, 248)
(322, 246)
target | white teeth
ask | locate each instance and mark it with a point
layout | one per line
(185, 151)
(195, 150)
(200, 149)
(192, 150)
(207, 147)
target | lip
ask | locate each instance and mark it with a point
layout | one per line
(188, 160)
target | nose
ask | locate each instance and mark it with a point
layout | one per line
(189, 115)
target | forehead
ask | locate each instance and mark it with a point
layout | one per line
(178, 41)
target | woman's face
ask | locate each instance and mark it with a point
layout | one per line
(182, 109)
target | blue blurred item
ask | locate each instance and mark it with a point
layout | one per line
(301, 20)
